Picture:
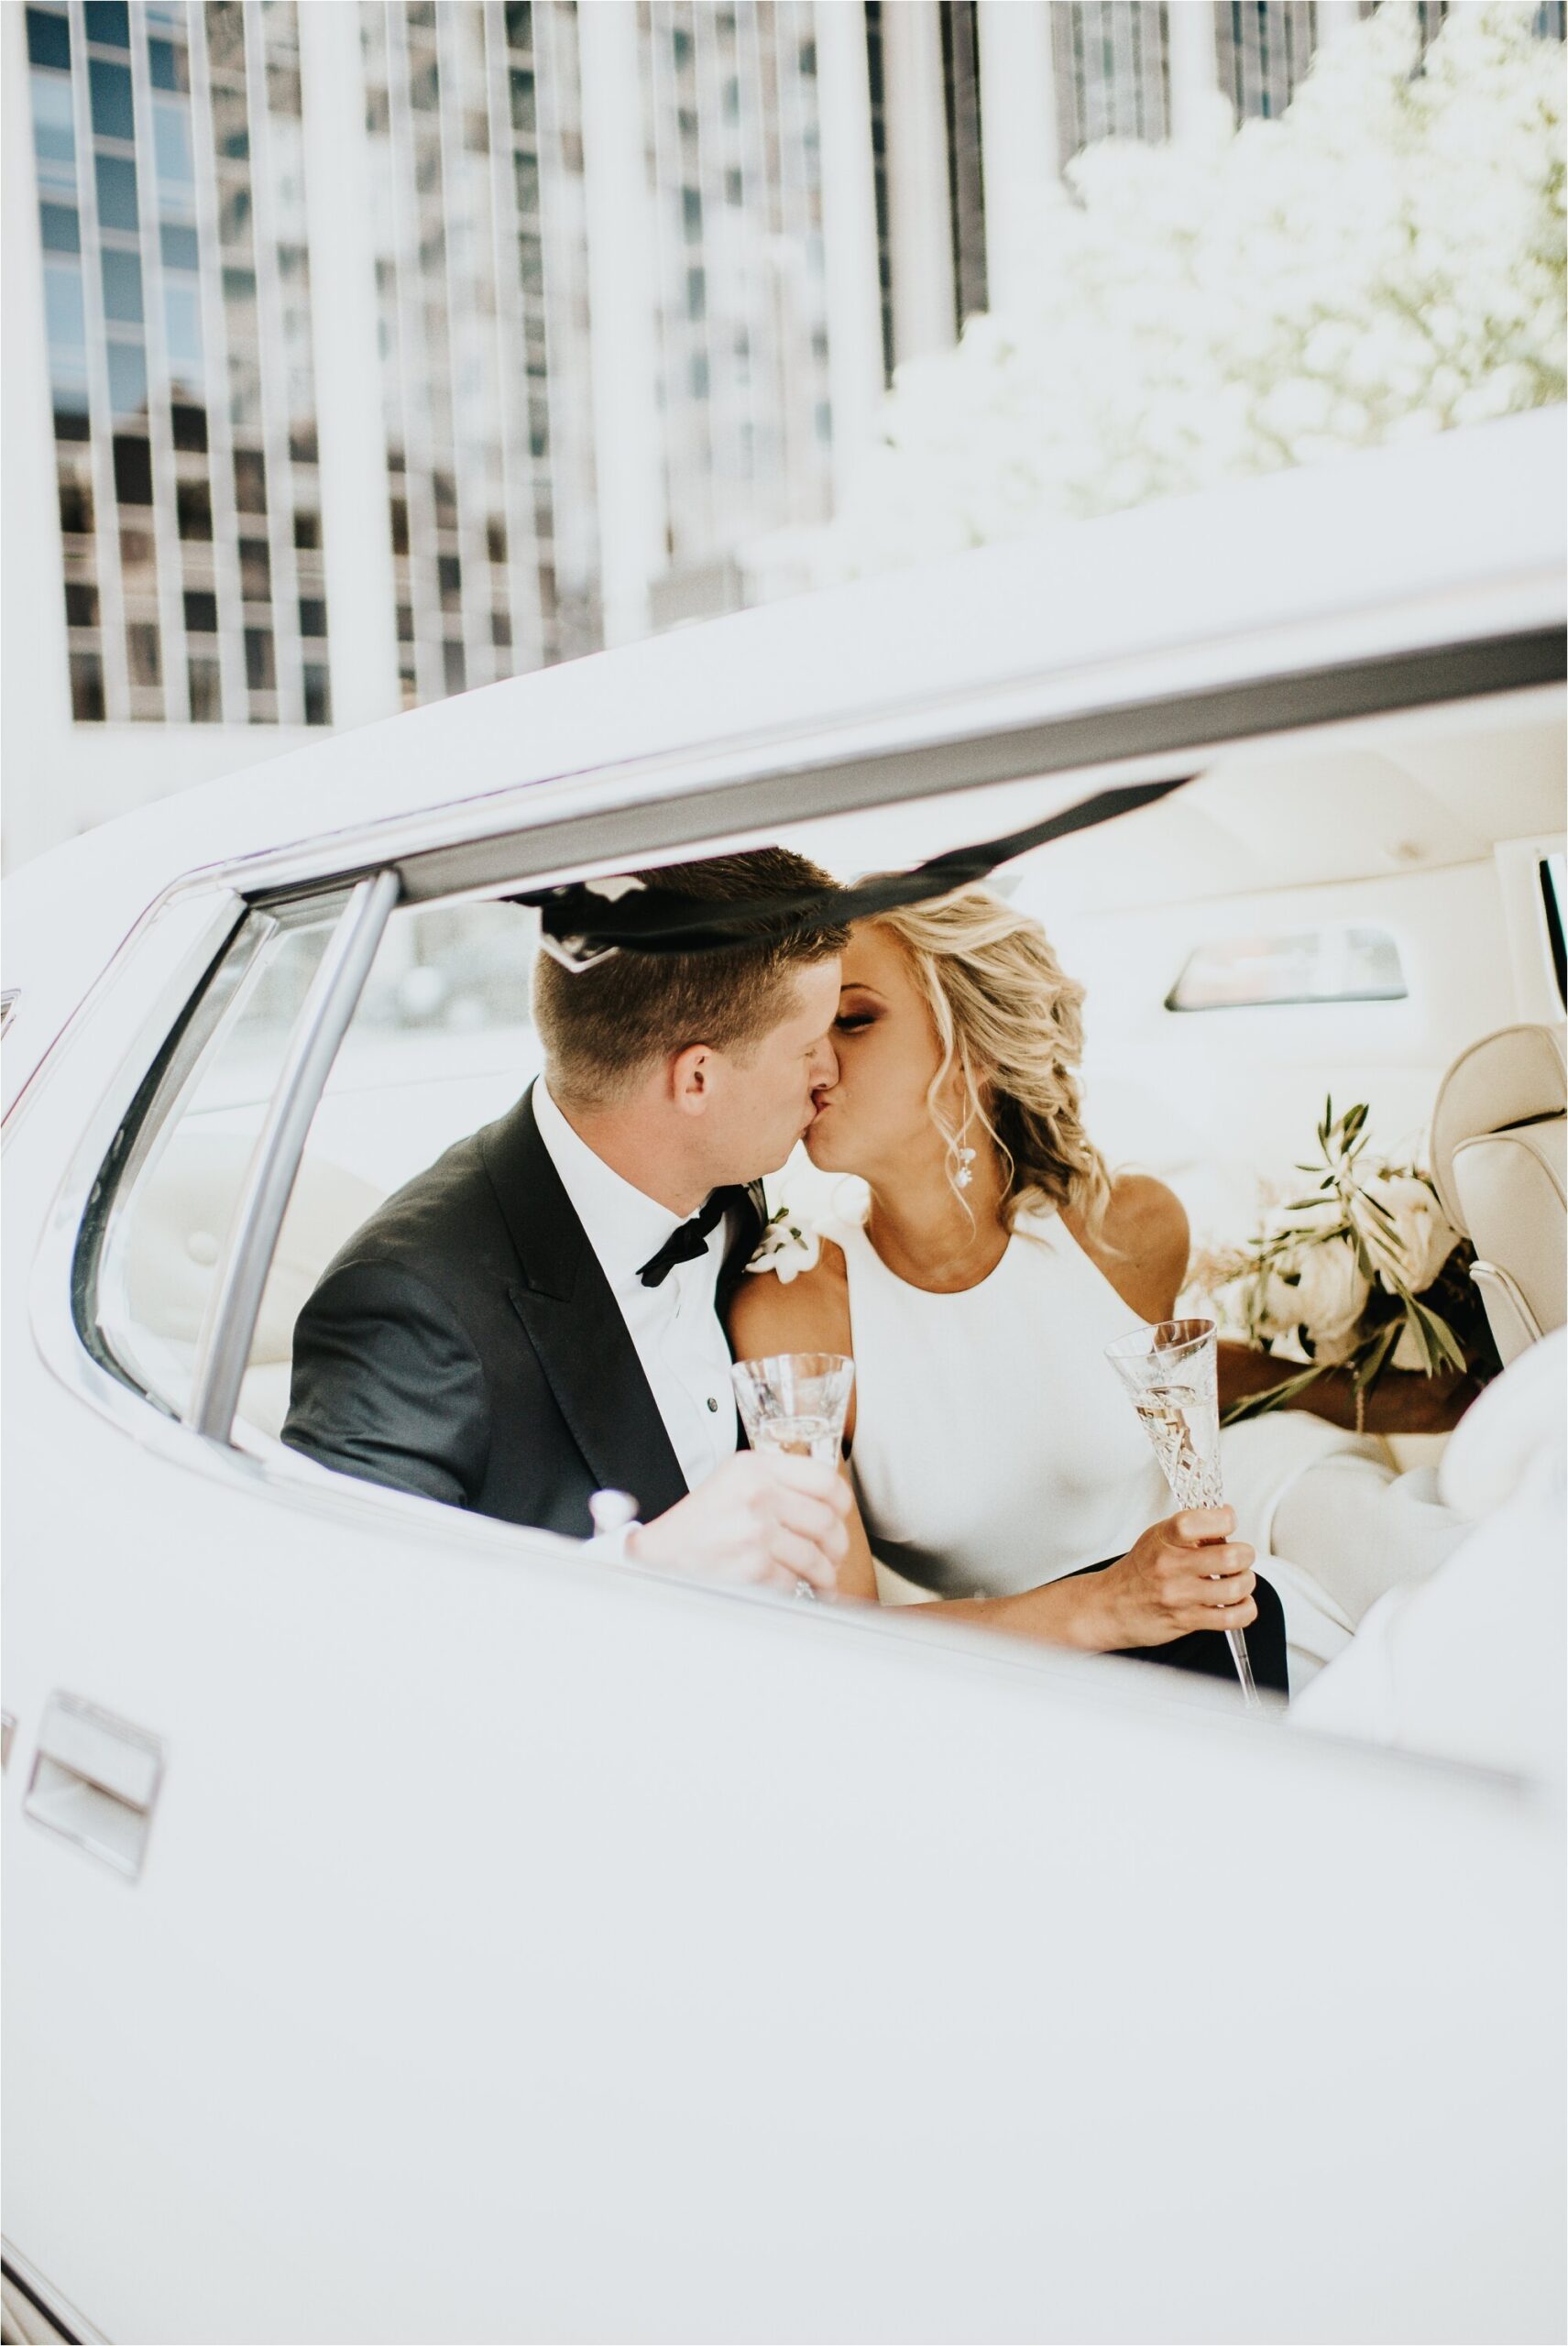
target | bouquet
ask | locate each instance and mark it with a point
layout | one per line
(1365, 1272)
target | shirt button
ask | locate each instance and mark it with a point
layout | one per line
(713, 1405)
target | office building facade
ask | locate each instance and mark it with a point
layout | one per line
(366, 352)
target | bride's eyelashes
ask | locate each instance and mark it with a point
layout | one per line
(852, 1022)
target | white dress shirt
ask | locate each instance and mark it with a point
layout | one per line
(674, 1326)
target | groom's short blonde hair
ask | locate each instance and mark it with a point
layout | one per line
(603, 1028)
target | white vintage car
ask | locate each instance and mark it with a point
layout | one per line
(417, 1930)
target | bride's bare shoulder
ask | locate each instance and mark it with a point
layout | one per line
(1145, 1218)
(1142, 1246)
(809, 1313)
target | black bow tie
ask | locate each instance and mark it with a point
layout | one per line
(684, 1245)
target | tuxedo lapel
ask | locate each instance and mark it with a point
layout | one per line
(574, 1324)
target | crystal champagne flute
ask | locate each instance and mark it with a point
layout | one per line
(1170, 1372)
(795, 1403)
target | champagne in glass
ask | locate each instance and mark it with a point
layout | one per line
(1170, 1372)
(794, 1404)
(799, 1438)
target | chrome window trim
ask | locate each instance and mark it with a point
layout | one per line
(44, 2298)
(189, 1047)
(1054, 725)
(334, 991)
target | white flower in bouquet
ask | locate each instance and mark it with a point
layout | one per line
(1317, 1292)
(1411, 1253)
(1337, 1278)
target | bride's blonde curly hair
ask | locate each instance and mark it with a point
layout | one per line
(1009, 1019)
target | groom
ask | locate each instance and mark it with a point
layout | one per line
(536, 1317)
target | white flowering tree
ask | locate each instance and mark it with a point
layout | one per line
(1384, 261)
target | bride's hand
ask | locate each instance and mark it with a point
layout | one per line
(1183, 1574)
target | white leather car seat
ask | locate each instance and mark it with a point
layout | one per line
(179, 1219)
(1499, 1160)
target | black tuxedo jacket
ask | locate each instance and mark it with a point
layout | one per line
(464, 1344)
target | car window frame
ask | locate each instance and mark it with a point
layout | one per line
(254, 1224)
(684, 807)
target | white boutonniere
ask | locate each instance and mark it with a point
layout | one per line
(788, 1245)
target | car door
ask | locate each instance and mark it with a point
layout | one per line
(416, 1931)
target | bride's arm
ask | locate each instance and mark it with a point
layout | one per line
(1159, 1590)
(1403, 1400)
(1143, 1251)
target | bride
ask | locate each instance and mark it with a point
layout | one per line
(995, 1460)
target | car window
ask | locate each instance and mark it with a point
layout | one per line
(440, 1043)
(1553, 887)
(167, 1225)
(1338, 962)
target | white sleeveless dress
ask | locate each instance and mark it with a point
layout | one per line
(994, 1448)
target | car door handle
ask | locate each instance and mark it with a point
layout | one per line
(95, 1780)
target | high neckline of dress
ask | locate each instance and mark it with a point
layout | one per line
(942, 1294)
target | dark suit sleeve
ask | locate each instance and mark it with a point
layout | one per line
(388, 1386)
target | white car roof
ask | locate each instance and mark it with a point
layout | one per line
(1469, 516)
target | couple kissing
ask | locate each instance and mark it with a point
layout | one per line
(551, 1308)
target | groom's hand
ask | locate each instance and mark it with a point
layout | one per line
(1183, 1574)
(761, 1520)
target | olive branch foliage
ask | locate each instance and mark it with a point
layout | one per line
(1342, 1175)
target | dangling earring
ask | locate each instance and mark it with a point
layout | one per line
(965, 1174)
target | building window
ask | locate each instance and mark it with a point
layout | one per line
(205, 681)
(966, 191)
(75, 508)
(193, 509)
(86, 688)
(259, 672)
(1111, 73)
(49, 39)
(122, 288)
(133, 473)
(194, 446)
(875, 77)
(142, 653)
(1264, 47)
(108, 23)
(109, 88)
(742, 325)
(249, 482)
(488, 404)
(60, 227)
(116, 179)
